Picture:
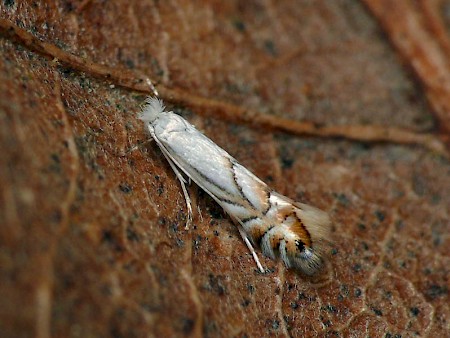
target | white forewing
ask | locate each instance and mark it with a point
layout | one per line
(252, 188)
(198, 156)
(208, 165)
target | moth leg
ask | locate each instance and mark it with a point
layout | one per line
(178, 175)
(250, 247)
(185, 192)
(152, 87)
(199, 213)
(136, 146)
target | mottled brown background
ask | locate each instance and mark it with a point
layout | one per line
(92, 239)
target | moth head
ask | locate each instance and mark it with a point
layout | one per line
(152, 109)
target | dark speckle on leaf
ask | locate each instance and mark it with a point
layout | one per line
(160, 189)
(330, 308)
(378, 312)
(356, 267)
(216, 284)
(196, 242)
(55, 165)
(364, 246)
(187, 325)
(268, 178)
(107, 236)
(342, 198)
(380, 215)
(276, 324)
(287, 163)
(180, 242)
(9, 3)
(239, 25)
(414, 311)
(162, 221)
(435, 291)
(210, 329)
(326, 323)
(286, 159)
(174, 227)
(130, 64)
(245, 303)
(388, 295)
(303, 296)
(269, 45)
(125, 188)
(132, 235)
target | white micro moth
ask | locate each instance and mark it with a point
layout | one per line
(281, 227)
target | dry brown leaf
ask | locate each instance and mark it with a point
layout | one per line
(92, 239)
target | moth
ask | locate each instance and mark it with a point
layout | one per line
(281, 227)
